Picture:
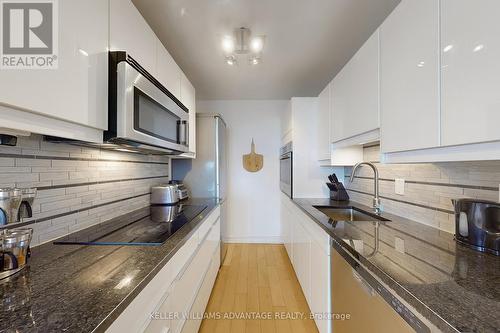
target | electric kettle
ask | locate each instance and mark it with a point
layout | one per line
(478, 224)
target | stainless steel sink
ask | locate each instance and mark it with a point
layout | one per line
(348, 214)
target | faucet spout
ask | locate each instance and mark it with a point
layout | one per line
(376, 197)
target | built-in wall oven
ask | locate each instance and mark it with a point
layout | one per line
(286, 169)
(142, 112)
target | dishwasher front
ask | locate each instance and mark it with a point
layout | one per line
(360, 307)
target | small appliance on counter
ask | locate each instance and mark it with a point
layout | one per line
(478, 224)
(14, 250)
(182, 190)
(337, 189)
(16, 204)
(164, 194)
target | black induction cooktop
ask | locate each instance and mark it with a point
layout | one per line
(151, 230)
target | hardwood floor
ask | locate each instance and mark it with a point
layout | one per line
(256, 282)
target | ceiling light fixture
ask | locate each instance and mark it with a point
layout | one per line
(231, 60)
(242, 43)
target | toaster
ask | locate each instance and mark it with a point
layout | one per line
(164, 194)
(182, 191)
(478, 224)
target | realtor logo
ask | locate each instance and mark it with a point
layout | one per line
(29, 34)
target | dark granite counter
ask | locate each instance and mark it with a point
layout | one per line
(454, 287)
(74, 288)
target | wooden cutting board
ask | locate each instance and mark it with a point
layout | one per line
(253, 162)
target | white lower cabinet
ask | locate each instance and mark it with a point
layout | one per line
(308, 247)
(175, 299)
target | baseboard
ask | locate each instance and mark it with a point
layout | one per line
(262, 240)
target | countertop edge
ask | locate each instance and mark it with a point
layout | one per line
(392, 285)
(118, 310)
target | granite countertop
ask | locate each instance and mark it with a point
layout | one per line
(75, 288)
(451, 285)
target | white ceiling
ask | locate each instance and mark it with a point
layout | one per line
(307, 42)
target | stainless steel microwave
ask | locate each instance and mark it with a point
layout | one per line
(143, 114)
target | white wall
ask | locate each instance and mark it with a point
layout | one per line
(253, 198)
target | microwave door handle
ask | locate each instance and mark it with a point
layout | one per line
(186, 131)
(182, 132)
(179, 129)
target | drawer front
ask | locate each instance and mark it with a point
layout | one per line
(192, 325)
(161, 322)
(180, 259)
(209, 222)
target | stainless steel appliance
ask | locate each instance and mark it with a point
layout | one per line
(15, 204)
(152, 228)
(206, 175)
(356, 293)
(14, 250)
(286, 169)
(164, 194)
(142, 112)
(478, 224)
(143, 116)
(182, 190)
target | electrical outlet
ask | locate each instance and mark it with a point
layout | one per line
(399, 186)
(399, 245)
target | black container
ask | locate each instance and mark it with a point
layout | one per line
(478, 224)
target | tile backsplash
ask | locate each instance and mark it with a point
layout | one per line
(429, 187)
(78, 186)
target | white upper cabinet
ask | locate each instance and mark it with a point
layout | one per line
(188, 98)
(128, 31)
(355, 94)
(77, 91)
(409, 76)
(324, 140)
(470, 71)
(168, 72)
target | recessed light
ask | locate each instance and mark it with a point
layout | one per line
(83, 52)
(478, 48)
(447, 48)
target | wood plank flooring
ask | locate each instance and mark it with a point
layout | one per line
(257, 291)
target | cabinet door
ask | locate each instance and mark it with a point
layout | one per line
(470, 70)
(409, 76)
(169, 73)
(302, 258)
(128, 31)
(188, 98)
(77, 91)
(324, 140)
(355, 94)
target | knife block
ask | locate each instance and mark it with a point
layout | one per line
(339, 193)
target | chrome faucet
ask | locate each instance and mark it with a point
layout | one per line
(377, 207)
